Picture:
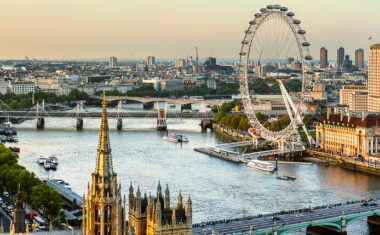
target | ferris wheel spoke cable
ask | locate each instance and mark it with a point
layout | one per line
(272, 39)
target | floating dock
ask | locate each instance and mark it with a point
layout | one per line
(225, 155)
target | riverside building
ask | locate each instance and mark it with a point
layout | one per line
(349, 135)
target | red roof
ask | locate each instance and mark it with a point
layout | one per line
(371, 120)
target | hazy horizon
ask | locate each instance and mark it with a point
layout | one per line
(168, 29)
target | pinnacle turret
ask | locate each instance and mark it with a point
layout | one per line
(103, 160)
(179, 201)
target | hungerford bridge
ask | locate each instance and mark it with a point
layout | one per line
(40, 111)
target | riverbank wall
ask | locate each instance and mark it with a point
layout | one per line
(346, 162)
(232, 133)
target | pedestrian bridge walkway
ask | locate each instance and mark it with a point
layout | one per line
(336, 217)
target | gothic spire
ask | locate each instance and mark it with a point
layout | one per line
(103, 159)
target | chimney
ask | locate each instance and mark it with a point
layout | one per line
(349, 114)
(328, 113)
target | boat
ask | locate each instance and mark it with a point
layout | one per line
(180, 138)
(15, 149)
(285, 177)
(261, 165)
(170, 139)
(53, 160)
(42, 160)
(52, 166)
(47, 165)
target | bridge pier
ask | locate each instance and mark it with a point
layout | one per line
(119, 124)
(324, 230)
(40, 123)
(185, 106)
(373, 224)
(206, 123)
(79, 124)
(148, 105)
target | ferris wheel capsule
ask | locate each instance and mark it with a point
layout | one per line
(242, 53)
(263, 9)
(308, 57)
(244, 42)
(301, 31)
(248, 31)
(296, 22)
(284, 9)
(252, 22)
(276, 6)
(290, 14)
(270, 7)
(305, 44)
(257, 15)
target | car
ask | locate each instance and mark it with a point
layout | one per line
(1, 200)
(373, 204)
(365, 204)
(10, 208)
(6, 194)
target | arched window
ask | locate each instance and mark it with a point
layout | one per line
(107, 214)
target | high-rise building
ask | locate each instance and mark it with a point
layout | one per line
(340, 57)
(323, 61)
(151, 60)
(347, 64)
(359, 59)
(103, 207)
(113, 62)
(374, 79)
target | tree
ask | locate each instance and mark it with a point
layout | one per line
(261, 117)
(47, 199)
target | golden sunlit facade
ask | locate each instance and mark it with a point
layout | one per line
(150, 215)
(103, 208)
(348, 135)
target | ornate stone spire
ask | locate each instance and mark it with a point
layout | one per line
(103, 159)
(179, 201)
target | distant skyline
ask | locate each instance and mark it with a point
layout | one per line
(91, 29)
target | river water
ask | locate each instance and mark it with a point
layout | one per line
(218, 189)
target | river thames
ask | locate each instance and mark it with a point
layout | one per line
(218, 189)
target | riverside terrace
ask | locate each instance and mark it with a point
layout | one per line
(329, 219)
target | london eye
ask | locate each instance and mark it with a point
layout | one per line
(275, 46)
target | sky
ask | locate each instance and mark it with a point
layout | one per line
(135, 29)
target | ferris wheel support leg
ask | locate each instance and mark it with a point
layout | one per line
(296, 113)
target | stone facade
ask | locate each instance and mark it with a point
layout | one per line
(103, 208)
(150, 215)
(349, 135)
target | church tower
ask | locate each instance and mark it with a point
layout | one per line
(103, 208)
(18, 226)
